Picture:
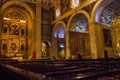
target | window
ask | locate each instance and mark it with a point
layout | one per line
(58, 12)
(75, 3)
(55, 34)
(61, 35)
(106, 16)
(61, 45)
(79, 23)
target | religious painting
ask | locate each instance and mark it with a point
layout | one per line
(45, 49)
(13, 47)
(107, 38)
(79, 23)
(14, 29)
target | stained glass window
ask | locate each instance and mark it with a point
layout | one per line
(79, 23)
(59, 32)
(55, 34)
(106, 16)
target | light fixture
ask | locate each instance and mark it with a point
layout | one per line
(23, 21)
(6, 18)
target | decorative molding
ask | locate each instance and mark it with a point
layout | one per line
(68, 13)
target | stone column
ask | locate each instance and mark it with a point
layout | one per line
(1, 19)
(38, 37)
(67, 45)
(54, 47)
(93, 40)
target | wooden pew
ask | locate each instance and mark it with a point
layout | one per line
(91, 69)
(6, 74)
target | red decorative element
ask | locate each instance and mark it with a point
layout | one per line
(34, 54)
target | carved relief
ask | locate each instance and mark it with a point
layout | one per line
(79, 42)
(13, 35)
(116, 33)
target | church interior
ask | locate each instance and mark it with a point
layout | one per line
(60, 39)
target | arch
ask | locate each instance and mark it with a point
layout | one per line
(58, 51)
(68, 27)
(78, 12)
(47, 41)
(45, 48)
(9, 3)
(9, 10)
(98, 8)
(55, 26)
(27, 12)
(24, 5)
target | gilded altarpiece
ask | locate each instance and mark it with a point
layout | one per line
(14, 36)
(79, 43)
(116, 34)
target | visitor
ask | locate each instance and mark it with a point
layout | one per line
(79, 57)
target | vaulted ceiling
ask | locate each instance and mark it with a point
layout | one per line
(49, 3)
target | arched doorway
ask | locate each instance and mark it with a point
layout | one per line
(79, 38)
(59, 40)
(45, 49)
